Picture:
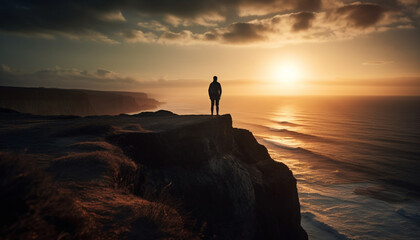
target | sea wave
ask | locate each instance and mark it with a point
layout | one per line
(287, 123)
(319, 160)
(300, 150)
(411, 216)
(277, 144)
(298, 135)
(380, 193)
(311, 218)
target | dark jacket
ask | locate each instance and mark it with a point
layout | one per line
(215, 90)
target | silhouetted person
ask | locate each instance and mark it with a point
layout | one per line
(215, 91)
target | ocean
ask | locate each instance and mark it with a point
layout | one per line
(356, 159)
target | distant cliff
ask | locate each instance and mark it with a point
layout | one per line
(51, 101)
(160, 176)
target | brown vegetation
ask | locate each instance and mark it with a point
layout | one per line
(33, 207)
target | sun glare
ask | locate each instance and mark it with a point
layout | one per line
(288, 73)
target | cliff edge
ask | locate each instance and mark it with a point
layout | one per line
(156, 176)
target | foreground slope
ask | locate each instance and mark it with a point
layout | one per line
(153, 176)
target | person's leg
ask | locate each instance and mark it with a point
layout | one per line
(217, 106)
(212, 106)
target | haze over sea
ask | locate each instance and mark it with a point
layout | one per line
(356, 159)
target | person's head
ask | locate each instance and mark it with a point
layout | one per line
(215, 78)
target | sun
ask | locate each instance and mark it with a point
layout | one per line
(287, 72)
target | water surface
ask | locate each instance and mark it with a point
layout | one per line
(356, 159)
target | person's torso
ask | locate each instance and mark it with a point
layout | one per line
(214, 88)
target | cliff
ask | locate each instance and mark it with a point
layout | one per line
(158, 176)
(52, 101)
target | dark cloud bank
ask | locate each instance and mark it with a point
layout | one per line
(166, 21)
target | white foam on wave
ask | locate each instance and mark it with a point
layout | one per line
(320, 230)
(410, 211)
(279, 144)
(336, 211)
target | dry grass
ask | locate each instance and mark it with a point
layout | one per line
(162, 219)
(103, 167)
(93, 146)
(85, 129)
(32, 207)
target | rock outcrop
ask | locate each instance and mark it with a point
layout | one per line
(222, 175)
(222, 184)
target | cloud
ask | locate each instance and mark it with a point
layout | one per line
(170, 36)
(244, 33)
(153, 25)
(274, 6)
(197, 8)
(392, 82)
(344, 22)
(303, 21)
(73, 19)
(67, 78)
(376, 63)
(101, 79)
(4, 68)
(205, 22)
(361, 15)
(113, 16)
(81, 17)
(134, 36)
(102, 72)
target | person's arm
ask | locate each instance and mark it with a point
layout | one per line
(209, 89)
(220, 89)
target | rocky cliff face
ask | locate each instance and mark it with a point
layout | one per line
(224, 178)
(221, 184)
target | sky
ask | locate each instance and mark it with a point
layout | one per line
(255, 47)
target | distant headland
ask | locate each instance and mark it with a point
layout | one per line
(79, 102)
